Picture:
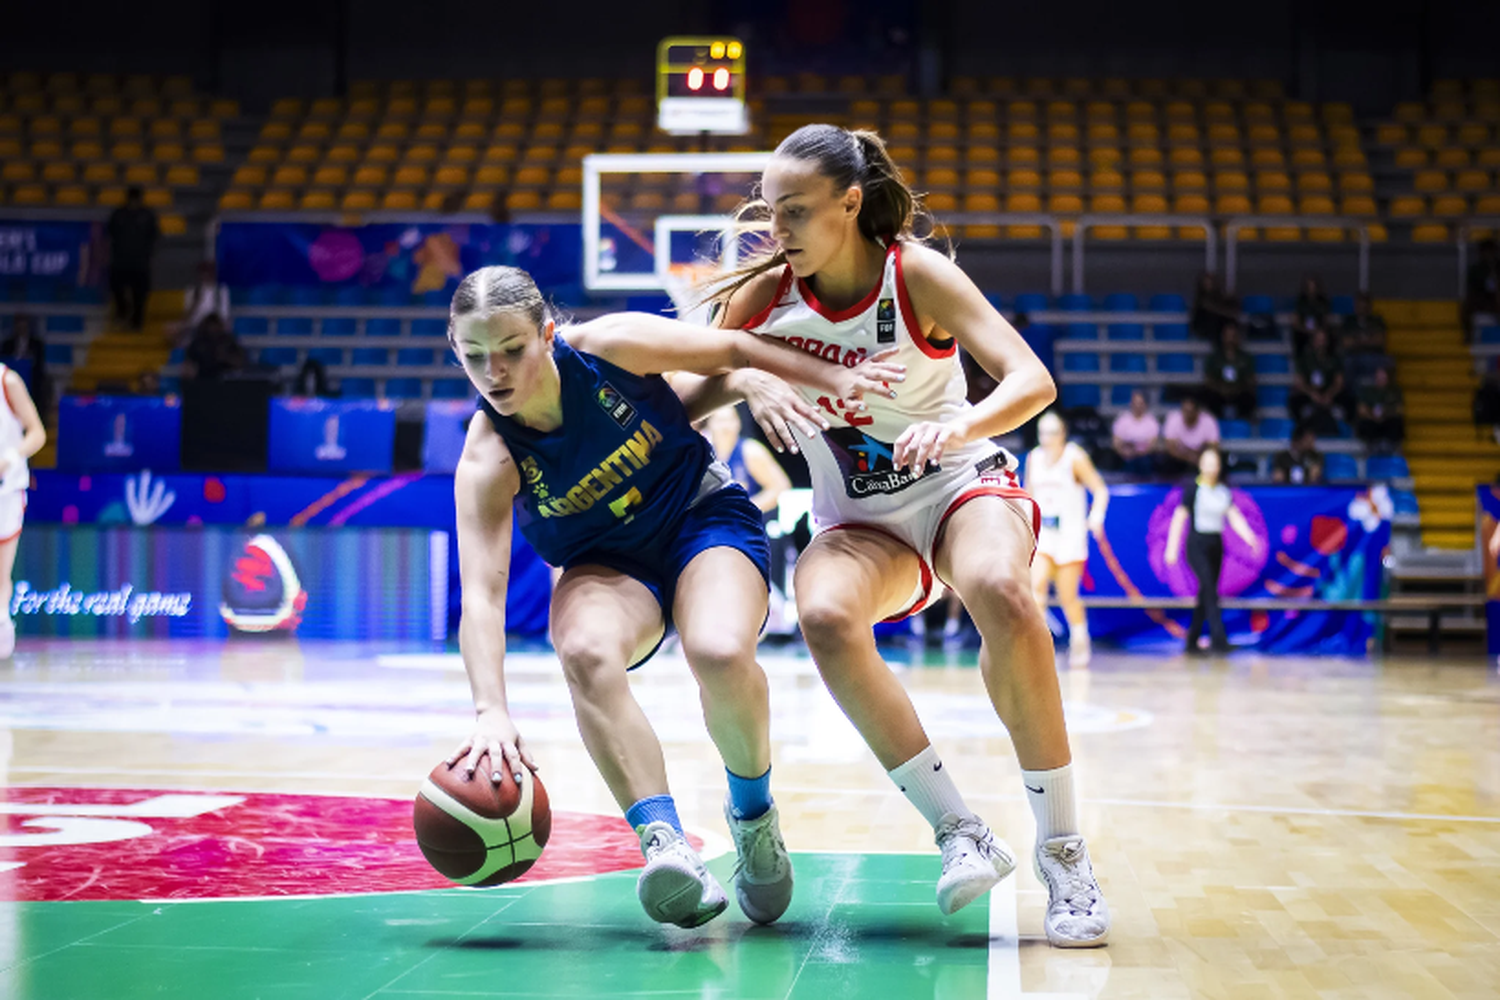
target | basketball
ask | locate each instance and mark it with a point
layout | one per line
(478, 833)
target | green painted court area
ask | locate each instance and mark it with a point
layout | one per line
(861, 926)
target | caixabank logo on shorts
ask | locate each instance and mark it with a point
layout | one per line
(867, 464)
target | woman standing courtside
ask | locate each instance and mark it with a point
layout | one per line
(1208, 504)
(21, 436)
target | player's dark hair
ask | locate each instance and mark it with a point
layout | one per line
(497, 289)
(890, 210)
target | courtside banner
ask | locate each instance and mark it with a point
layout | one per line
(330, 435)
(371, 583)
(1488, 508)
(119, 433)
(56, 252)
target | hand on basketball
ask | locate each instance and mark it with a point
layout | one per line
(872, 375)
(495, 736)
(925, 442)
(778, 408)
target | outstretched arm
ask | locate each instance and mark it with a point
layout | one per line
(1242, 527)
(1088, 475)
(34, 434)
(1174, 535)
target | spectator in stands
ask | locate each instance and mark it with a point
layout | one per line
(1212, 308)
(1136, 437)
(1301, 464)
(1187, 432)
(26, 343)
(1364, 344)
(1317, 386)
(147, 383)
(1482, 286)
(213, 353)
(1381, 413)
(133, 231)
(206, 298)
(1312, 312)
(312, 380)
(1229, 376)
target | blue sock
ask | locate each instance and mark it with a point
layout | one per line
(749, 798)
(656, 809)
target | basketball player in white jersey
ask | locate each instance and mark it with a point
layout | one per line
(1057, 472)
(21, 436)
(912, 491)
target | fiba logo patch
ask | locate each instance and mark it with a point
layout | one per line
(614, 404)
(262, 592)
(867, 464)
(885, 322)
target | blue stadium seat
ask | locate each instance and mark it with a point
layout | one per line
(64, 324)
(1169, 331)
(403, 388)
(1234, 430)
(452, 388)
(443, 297)
(326, 355)
(1127, 362)
(1489, 334)
(1075, 361)
(278, 356)
(1272, 364)
(294, 326)
(370, 356)
(1258, 305)
(340, 326)
(1030, 302)
(1386, 467)
(59, 354)
(1126, 331)
(1121, 302)
(301, 295)
(1174, 363)
(1168, 302)
(1341, 305)
(1276, 429)
(1075, 395)
(429, 328)
(357, 388)
(1081, 331)
(1404, 502)
(251, 326)
(349, 295)
(1119, 395)
(384, 326)
(1075, 302)
(171, 385)
(1337, 465)
(177, 356)
(263, 295)
(1271, 395)
(995, 299)
(392, 297)
(417, 357)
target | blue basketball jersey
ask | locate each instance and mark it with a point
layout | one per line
(617, 476)
(741, 471)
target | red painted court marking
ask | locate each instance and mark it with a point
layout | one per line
(148, 844)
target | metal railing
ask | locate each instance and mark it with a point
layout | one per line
(1463, 240)
(1087, 222)
(1233, 225)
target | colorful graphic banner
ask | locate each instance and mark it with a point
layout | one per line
(320, 436)
(61, 251)
(374, 583)
(415, 258)
(119, 433)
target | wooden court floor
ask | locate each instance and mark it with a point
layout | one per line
(230, 821)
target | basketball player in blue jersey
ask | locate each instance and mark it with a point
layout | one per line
(591, 451)
(748, 461)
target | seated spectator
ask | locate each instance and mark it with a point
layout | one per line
(1136, 436)
(1229, 377)
(147, 383)
(25, 342)
(1312, 312)
(1381, 413)
(1301, 464)
(213, 353)
(1317, 386)
(1482, 286)
(204, 299)
(1363, 344)
(1187, 432)
(311, 380)
(1212, 308)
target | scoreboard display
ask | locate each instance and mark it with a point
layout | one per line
(700, 86)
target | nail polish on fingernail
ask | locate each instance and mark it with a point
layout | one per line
(495, 777)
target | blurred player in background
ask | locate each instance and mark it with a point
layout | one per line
(1057, 473)
(750, 463)
(21, 436)
(594, 455)
(912, 488)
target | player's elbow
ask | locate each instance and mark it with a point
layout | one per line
(1041, 388)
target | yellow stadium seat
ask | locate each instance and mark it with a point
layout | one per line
(524, 200)
(1487, 204)
(1350, 157)
(540, 154)
(393, 131)
(172, 224)
(1101, 131)
(1315, 204)
(1185, 156)
(1407, 206)
(451, 175)
(1488, 158)
(304, 154)
(1148, 180)
(1101, 181)
(236, 200)
(1107, 204)
(1146, 156)
(1234, 181)
(158, 197)
(1272, 180)
(286, 107)
(1189, 180)
(1180, 110)
(100, 173)
(1148, 204)
(370, 175)
(1064, 156)
(1309, 157)
(983, 132)
(353, 131)
(401, 107)
(470, 131)
(462, 154)
(46, 149)
(289, 175)
(565, 200)
(1226, 156)
(1104, 157)
(1410, 111)
(1232, 204)
(533, 175)
(1430, 181)
(1357, 205)
(168, 152)
(409, 175)
(500, 154)
(249, 175)
(109, 196)
(981, 202)
(1392, 134)
(1024, 156)
(1060, 132)
(1023, 201)
(71, 196)
(342, 153)
(382, 153)
(1021, 110)
(1142, 110)
(1023, 178)
(1451, 158)
(1182, 133)
(399, 200)
(208, 153)
(1314, 182)
(165, 128)
(182, 175)
(1473, 134)
(127, 150)
(1065, 204)
(1099, 111)
(1471, 181)
(941, 177)
(358, 200)
(1224, 133)
(947, 131)
(1263, 134)
(1450, 206)
(85, 127)
(1064, 180)
(1023, 131)
(277, 200)
(1274, 204)
(1429, 232)
(318, 200)
(331, 175)
(1190, 204)
(1432, 136)
(1267, 157)
(1304, 134)
(140, 173)
(1344, 135)
(479, 201)
(982, 177)
(60, 171)
(1143, 132)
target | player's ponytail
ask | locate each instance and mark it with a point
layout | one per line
(489, 290)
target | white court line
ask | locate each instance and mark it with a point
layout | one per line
(1004, 979)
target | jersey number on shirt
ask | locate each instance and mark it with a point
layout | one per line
(621, 507)
(840, 409)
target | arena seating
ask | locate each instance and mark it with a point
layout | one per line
(1444, 154)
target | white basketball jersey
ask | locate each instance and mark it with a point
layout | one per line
(17, 475)
(1057, 490)
(852, 472)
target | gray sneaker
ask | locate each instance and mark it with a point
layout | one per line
(1077, 916)
(762, 870)
(974, 861)
(676, 887)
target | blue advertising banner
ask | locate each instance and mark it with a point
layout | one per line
(415, 258)
(415, 501)
(330, 435)
(116, 433)
(373, 583)
(63, 251)
(446, 427)
(1488, 503)
(1320, 543)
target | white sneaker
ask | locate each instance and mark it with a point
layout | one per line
(676, 887)
(1077, 915)
(974, 860)
(7, 638)
(1080, 651)
(762, 870)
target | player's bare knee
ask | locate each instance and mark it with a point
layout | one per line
(588, 665)
(827, 625)
(1001, 594)
(718, 657)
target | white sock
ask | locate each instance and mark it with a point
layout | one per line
(929, 787)
(1078, 633)
(1051, 796)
